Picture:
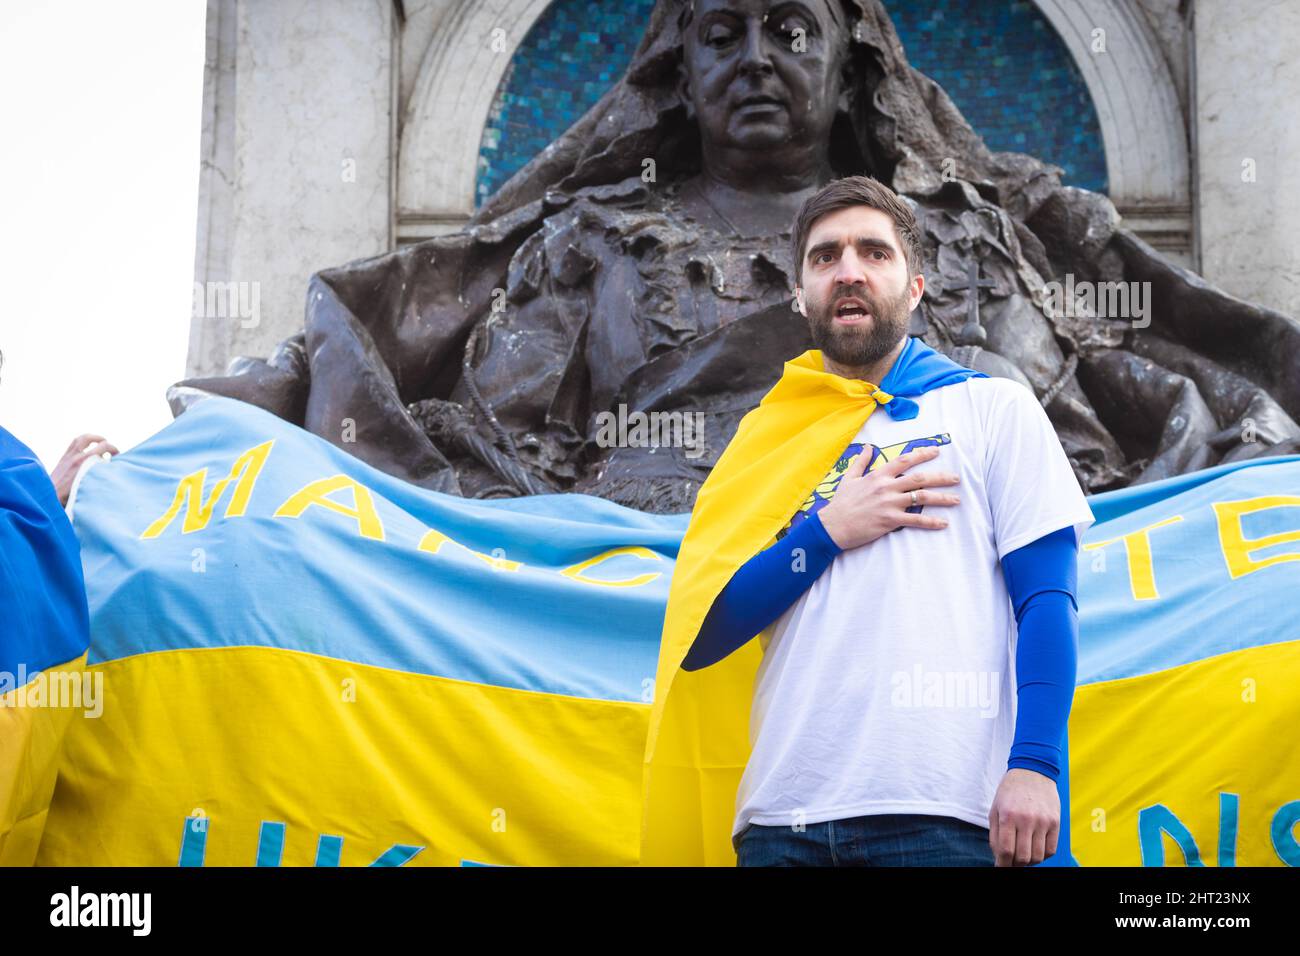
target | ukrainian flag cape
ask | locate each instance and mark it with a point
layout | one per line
(44, 632)
(698, 740)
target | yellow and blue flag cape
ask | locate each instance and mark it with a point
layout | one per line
(44, 632)
(698, 741)
(308, 662)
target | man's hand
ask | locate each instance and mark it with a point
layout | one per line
(65, 472)
(1026, 818)
(865, 507)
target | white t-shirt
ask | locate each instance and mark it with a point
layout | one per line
(889, 686)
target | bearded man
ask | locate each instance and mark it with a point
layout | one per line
(912, 557)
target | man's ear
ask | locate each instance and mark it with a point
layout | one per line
(916, 290)
(798, 298)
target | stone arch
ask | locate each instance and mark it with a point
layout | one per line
(458, 78)
(1146, 144)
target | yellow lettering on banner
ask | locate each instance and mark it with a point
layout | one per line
(1237, 547)
(496, 563)
(1137, 547)
(433, 541)
(189, 493)
(363, 510)
(576, 571)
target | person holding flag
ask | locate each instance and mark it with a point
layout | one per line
(44, 631)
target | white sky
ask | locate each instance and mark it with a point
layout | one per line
(99, 170)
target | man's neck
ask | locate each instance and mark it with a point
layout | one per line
(874, 373)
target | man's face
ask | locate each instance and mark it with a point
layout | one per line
(760, 73)
(855, 253)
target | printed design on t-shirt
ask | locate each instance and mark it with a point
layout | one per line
(825, 489)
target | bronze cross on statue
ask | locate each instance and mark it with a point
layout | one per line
(972, 333)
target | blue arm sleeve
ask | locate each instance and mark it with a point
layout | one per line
(1042, 581)
(761, 590)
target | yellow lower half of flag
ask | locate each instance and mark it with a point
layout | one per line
(1178, 739)
(372, 758)
(216, 743)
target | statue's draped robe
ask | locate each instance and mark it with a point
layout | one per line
(578, 288)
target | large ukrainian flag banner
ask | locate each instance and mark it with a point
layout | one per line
(306, 661)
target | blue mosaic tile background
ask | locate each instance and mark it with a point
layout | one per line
(1002, 64)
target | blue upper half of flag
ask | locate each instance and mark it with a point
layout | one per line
(504, 600)
(1199, 565)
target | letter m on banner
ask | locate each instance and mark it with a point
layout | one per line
(189, 493)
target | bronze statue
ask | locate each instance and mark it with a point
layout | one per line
(641, 263)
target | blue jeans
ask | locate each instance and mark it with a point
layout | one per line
(894, 839)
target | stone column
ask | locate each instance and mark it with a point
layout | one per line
(296, 167)
(1247, 137)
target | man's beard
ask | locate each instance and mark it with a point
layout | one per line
(865, 344)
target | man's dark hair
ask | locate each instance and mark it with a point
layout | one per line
(858, 191)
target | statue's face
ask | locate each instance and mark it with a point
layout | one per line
(855, 253)
(759, 73)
